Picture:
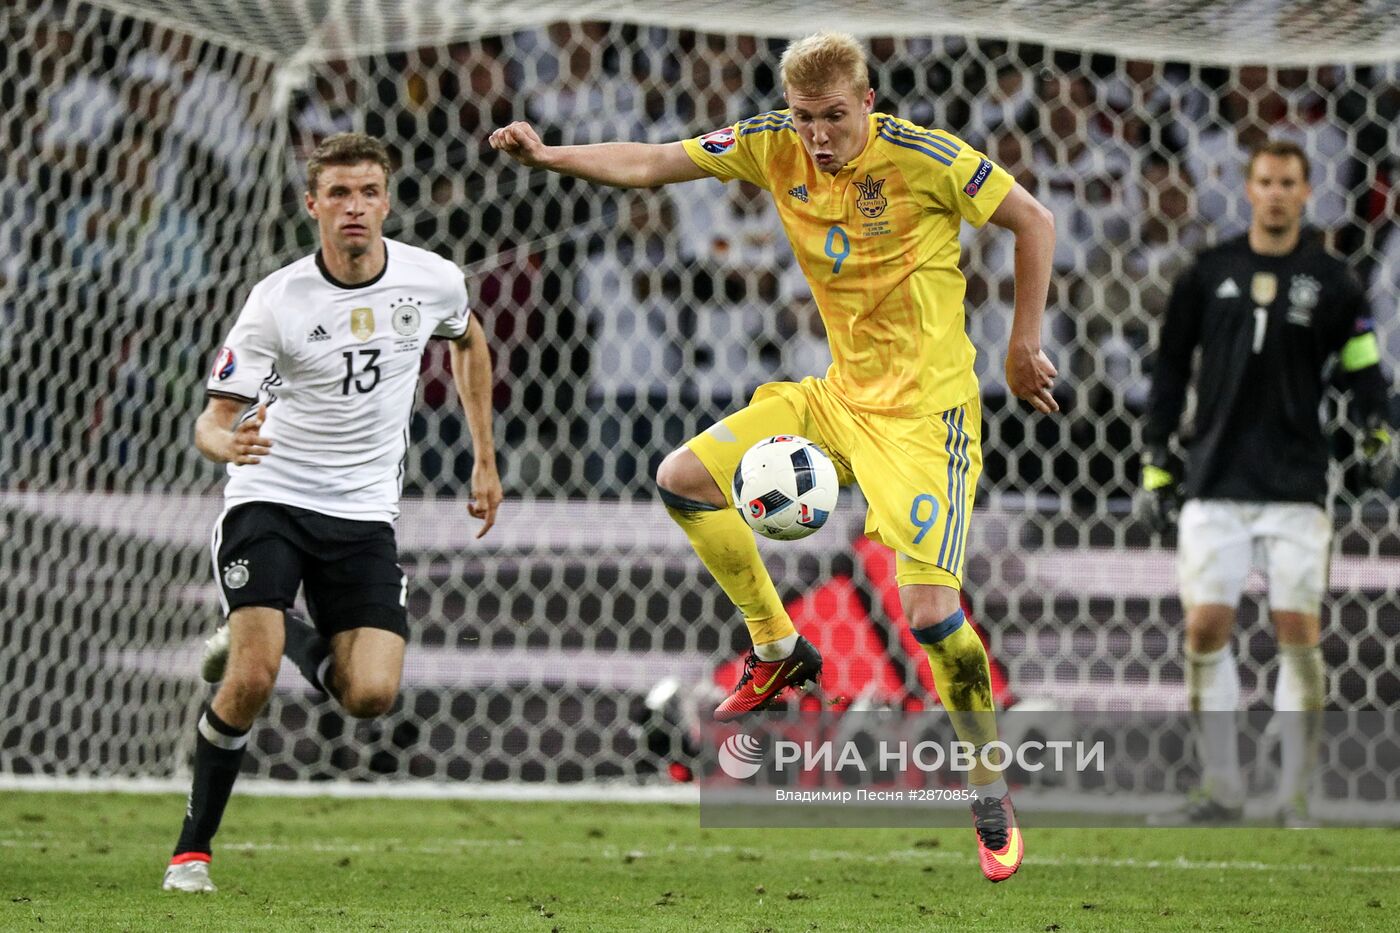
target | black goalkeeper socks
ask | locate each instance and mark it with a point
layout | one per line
(218, 753)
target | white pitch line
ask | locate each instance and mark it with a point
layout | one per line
(456, 846)
(512, 791)
(1342, 813)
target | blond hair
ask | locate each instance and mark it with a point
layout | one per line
(823, 61)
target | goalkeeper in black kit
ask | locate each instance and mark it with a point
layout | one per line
(1268, 311)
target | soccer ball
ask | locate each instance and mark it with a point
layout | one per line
(785, 487)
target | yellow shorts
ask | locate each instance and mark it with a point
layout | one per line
(919, 475)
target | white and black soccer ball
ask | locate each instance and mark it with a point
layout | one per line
(785, 487)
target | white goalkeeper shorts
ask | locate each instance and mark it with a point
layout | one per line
(1219, 541)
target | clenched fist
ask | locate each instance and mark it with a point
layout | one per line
(520, 141)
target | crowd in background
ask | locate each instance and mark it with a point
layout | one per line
(137, 213)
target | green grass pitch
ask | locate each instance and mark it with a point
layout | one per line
(94, 862)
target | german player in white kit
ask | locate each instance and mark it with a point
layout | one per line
(308, 404)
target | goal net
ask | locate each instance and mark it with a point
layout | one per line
(152, 171)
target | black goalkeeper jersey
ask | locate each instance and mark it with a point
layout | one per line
(1266, 326)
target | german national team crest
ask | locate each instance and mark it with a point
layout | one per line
(1303, 294)
(1263, 288)
(236, 575)
(405, 319)
(871, 203)
(362, 323)
(1304, 291)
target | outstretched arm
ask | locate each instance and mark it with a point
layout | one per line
(622, 165)
(1029, 373)
(471, 373)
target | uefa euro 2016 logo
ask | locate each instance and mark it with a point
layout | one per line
(225, 363)
(718, 142)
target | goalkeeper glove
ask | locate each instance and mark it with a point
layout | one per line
(1159, 500)
(1377, 463)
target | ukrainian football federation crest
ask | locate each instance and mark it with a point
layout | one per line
(1263, 288)
(405, 318)
(871, 203)
(362, 323)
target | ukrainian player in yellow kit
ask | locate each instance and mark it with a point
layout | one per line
(872, 205)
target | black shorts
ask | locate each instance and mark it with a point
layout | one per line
(264, 551)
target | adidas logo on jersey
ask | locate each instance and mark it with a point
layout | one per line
(800, 192)
(1228, 289)
(318, 334)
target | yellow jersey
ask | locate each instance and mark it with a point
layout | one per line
(878, 242)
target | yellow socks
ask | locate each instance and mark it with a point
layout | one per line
(727, 548)
(964, 681)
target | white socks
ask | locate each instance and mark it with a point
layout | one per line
(776, 650)
(1213, 689)
(1213, 692)
(1299, 696)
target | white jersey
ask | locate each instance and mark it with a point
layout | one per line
(337, 366)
